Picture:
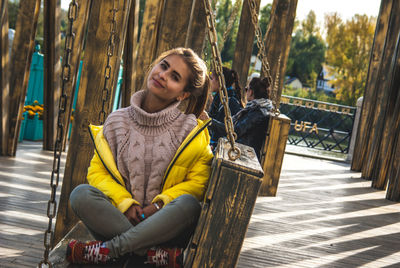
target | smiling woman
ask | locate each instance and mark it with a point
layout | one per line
(140, 193)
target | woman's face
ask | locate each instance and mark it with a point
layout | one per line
(214, 83)
(168, 79)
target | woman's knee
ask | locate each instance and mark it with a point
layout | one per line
(189, 204)
(81, 195)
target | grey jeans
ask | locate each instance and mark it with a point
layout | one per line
(174, 223)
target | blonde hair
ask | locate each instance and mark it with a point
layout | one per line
(198, 83)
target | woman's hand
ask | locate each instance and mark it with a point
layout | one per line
(203, 116)
(135, 214)
(151, 209)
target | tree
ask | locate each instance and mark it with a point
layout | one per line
(307, 52)
(349, 46)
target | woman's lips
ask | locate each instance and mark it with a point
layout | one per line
(157, 83)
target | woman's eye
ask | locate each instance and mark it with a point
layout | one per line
(175, 77)
(164, 66)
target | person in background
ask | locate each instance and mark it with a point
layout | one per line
(251, 122)
(217, 111)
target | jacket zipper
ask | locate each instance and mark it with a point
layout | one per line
(180, 152)
(104, 164)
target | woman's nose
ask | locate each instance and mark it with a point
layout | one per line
(163, 75)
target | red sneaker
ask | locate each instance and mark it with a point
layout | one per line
(165, 257)
(90, 252)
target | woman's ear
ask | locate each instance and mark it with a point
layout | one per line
(183, 96)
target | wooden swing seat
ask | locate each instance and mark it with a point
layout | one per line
(225, 215)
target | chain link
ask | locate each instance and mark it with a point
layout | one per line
(263, 57)
(55, 174)
(234, 152)
(231, 21)
(107, 70)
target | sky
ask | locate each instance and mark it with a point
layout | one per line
(346, 8)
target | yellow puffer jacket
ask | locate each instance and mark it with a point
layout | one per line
(188, 172)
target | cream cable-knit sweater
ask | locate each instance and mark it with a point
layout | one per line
(143, 144)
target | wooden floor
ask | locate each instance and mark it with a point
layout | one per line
(323, 216)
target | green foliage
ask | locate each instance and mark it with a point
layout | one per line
(349, 46)
(307, 52)
(12, 13)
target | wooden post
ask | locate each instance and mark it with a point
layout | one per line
(390, 152)
(278, 38)
(148, 40)
(90, 99)
(76, 45)
(378, 114)
(4, 75)
(369, 101)
(130, 55)
(21, 58)
(227, 208)
(196, 32)
(51, 71)
(272, 154)
(173, 28)
(244, 43)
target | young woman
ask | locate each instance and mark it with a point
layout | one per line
(217, 111)
(251, 122)
(150, 169)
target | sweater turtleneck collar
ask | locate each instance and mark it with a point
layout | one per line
(158, 119)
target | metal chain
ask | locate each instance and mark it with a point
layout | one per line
(66, 77)
(263, 58)
(234, 152)
(231, 21)
(107, 71)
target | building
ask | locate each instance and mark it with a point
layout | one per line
(325, 80)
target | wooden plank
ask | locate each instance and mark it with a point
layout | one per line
(148, 40)
(278, 38)
(391, 163)
(244, 43)
(196, 33)
(4, 77)
(369, 101)
(273, 153)
(51, 71)
(173, 28)
(226, 210)
(130, 55)
(377, 118)
(390, 125)
(90, 99)
(21, 57)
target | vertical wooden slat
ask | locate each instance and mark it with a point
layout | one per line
(148, 40)
(79, 29)
(273, 153)
(244, 43)
(173, 27)
(90, 96)
(4, 77)
(369, 101)
(51, 71)
(130, 54)
(390, 170)
(390, 126)
(278, 38)
(196, 32)
(377, 117)
(21, 58)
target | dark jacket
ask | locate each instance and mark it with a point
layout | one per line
(250, 123)
(217, 111)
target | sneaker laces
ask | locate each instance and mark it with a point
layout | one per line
(93, 253)
(160, 258)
